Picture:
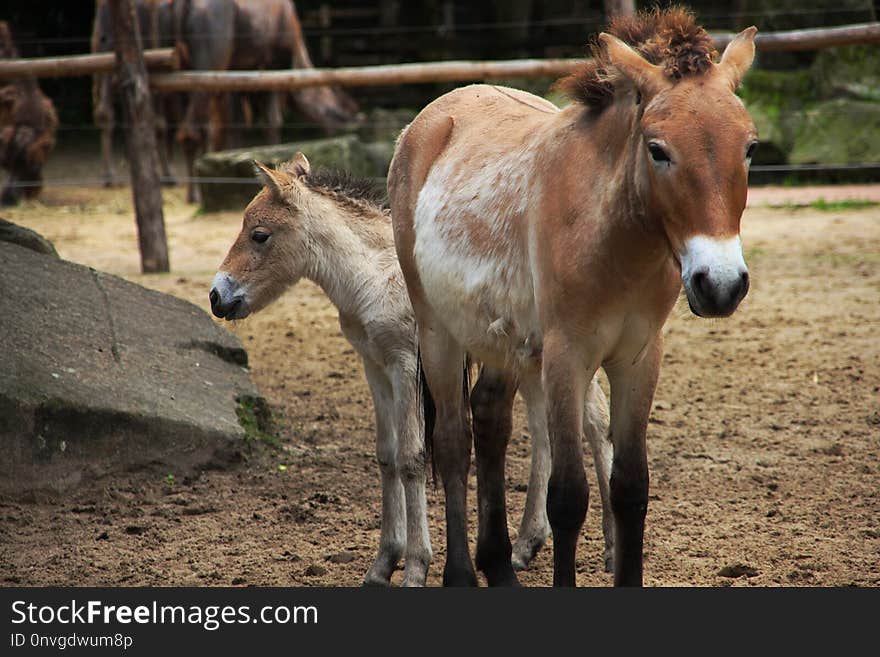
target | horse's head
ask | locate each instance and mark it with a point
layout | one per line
(270, 252)
(696, 143)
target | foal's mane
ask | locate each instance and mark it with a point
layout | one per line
(355, 193)
(670, 38)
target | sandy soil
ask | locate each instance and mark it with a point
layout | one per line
(764, 442)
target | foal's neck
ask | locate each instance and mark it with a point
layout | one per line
(343, 264)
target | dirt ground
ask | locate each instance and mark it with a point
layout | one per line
(764, 442)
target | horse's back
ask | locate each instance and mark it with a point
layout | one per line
(461, 187)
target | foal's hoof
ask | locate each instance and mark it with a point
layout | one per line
(524, 551)
(609, 561)
(412, 582)
(372, 578)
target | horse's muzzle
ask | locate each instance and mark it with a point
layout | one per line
(710, 298)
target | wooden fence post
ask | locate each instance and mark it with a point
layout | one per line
(142, 154)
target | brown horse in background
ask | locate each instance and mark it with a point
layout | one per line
(28, 122)
(549, 243)
(242, 35)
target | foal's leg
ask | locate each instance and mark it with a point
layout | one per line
(596, 431)
(632, 391)
(393, 530)
(443, 362)
(535, 528)
(492, 412)
(410, 461)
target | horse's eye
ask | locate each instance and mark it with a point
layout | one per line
(751, 150)
(657, 152)
(259, 236)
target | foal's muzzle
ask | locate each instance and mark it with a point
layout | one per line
(227, 299)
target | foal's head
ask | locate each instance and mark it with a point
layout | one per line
(271, 251)
(693, 140)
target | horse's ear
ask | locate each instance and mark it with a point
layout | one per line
(298, 166)
(738, 56)
(647, 77)
(272, 179)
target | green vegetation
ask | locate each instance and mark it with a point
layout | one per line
(848, 204)
(255, 417)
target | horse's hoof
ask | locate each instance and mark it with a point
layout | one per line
(502, 577)
(459, 576)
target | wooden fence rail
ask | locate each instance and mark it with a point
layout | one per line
(391, 74)
(78, 65)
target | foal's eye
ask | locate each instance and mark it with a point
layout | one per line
(259, 236)
(657, 152)
(751, 150)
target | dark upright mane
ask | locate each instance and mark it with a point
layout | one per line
(345, 188)
(670, 38)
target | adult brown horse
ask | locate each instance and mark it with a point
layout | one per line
(549, 243)
(28, 122)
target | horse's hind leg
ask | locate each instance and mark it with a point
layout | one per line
(534, 528)
(492, 408)
(596, 431)
(443, 363)
(393, 529)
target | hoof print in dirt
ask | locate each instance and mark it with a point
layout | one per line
(738, 570)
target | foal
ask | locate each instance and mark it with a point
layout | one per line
(550, 243)
(325, 227)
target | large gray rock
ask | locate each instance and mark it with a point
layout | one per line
(100, 375)
(10, 232)
(347, 153)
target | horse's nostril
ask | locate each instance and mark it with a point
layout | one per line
(744, 281)
(214, 297)
(700, 283)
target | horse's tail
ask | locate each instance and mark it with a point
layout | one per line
(429, 415)
(429, 410)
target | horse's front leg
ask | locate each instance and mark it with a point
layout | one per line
(632, 391)
(492, 412)
(410, 463)
(565, 380)
(393, 528)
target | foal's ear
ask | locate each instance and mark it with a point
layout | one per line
(298, 166)
(647, 77)
(738, 56)
(272, 179)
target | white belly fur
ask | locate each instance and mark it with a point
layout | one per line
(485, 300)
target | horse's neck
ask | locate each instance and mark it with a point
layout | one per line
(343, 265)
